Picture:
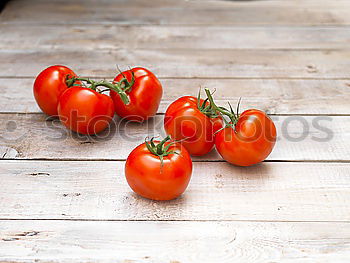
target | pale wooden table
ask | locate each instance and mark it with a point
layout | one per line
(65, 198)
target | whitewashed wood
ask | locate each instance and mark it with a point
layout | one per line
(7, 152)
(218, 191)
(98, 190)
(92, 37)
(189, 63)
(173, 242)
(284, 96)
(32, 137)
(270, 12)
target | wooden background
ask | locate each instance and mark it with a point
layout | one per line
(64, 198)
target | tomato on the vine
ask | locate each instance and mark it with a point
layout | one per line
(48, 87)
(85, 110)
(159, 170)
(144, 93)
(194, 123)
(247, 139)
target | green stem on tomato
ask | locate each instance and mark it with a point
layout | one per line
(160, 146)
(159, 149)
(223, 111)
(115, 87)
(124, 83)
(204, 108)
(103, 83)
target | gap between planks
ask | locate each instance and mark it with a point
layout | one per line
(174, 220)
(161, 114)
(249, 26)
(199, 78)
(193, 160)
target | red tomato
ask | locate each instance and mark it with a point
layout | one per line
(144, 95)
(84, 110)
(48, 87)
(250, 141)
(185, 121)
(152, 178)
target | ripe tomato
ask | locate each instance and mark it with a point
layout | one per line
(249, 141)
(187, 120)
(48, 87)
(159, 170)
(84, 110)
(144, 92)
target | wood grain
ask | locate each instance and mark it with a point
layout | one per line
(189, 63)
(98, 190)
(93, 37)
(174, 242)
(64, 197)
(33, 136)
(157, 12)
(284, 96)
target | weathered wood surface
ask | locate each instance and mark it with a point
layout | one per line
(32, 136)
(286, 57)
(195, 63)
(283, 96)
(173, 242)
(92, 37)
(98, 190)
(156, 12)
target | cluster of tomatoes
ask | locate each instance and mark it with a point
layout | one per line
(81, 105)
(158, 170)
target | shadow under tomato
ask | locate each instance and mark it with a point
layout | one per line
(236, 179)
(152, 209)
(105, 135)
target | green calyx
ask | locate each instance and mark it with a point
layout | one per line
(233, 116)
(206, 108)
(160, 149)
(121, 87)
(124, 83)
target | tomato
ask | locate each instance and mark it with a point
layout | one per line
(144, 92)
(187, 121)
(48, 87)
(249, 141)
(159, 170)
(85, 110)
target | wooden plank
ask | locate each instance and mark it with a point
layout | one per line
(174, 242)
(92, 37)
(218, 191)
(284, 96)
(178, 12)
(32, 136)
(188, 63)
